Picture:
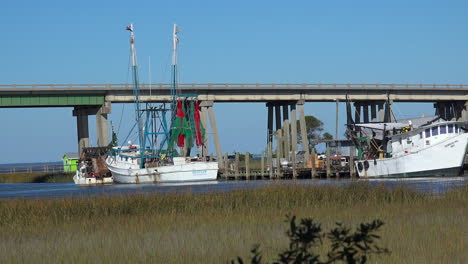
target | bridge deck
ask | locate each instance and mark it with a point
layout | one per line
(24, 95)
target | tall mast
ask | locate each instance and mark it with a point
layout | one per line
(136, 89)
(175, 43)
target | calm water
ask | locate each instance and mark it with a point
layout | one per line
(58, 190)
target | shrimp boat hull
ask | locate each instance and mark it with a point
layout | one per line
(444, 158)
(187, 172)
(83, 180)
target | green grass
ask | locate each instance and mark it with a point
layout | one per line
(216, 227)
(36, 177)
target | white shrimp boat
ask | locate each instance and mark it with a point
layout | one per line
(182, 169)
(435, 149)
(155, 159)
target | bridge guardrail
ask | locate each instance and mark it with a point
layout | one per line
(208, 86)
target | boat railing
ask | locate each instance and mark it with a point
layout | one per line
(49, 168)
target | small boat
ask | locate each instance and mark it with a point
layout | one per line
(92, 168)
(156, 158)
(403, 149)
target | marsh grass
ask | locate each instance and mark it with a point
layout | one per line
(216, 227)
(36, 177)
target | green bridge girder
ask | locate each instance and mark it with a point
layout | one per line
(42, 100)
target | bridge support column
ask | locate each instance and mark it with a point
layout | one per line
(446, 110)
(270, 123)
(460, 111)
(373, 111)
(81, 114)
(366, 112)
(208, 105)
(270, 106)
(357, 112)
(302, 124)
(279, 133)
(286, 145)
(464, 112)
(381, 111)
(203, 150)
(102, 124)
(293, 128)
(102, 133)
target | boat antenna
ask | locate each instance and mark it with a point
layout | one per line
(136, 90)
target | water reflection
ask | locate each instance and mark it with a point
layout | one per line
(57, 190)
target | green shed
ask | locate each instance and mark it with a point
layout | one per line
(70, 160)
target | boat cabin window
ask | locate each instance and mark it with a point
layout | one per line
(443, 129)
(450, 128)
(427, 133)
(435, 131)
(456, 128)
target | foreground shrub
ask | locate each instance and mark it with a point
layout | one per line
(346, 246)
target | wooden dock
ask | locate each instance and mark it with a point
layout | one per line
(243, 167)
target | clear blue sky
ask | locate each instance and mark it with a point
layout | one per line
(222, 41)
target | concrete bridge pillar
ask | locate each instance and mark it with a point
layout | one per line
(373, 111)
(357, 112)
(302, 124)
(203, 150)
(366, 112)
(279, 132)
(381, 111)
(102, 133)
(464, 112)
(102, 124)
(460, 111)
(270, 105)
(83, 132)
(207, 107)
(286, 140)
(293, 128)
(448, 110)
(81, 113)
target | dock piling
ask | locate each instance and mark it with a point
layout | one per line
(247, 166)
(328, 162)
(351, 162)
(312, 164)
(262, 170)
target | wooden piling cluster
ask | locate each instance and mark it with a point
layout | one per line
(243, 167)
(281, 160)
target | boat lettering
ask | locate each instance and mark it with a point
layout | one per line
(199, 172)
(451, 144)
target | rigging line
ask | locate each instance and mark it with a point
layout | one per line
(393, 114)
(131, 130)
(123, 107)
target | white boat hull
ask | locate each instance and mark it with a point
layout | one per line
(84, 180)
(192, 171)
(445, 158)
